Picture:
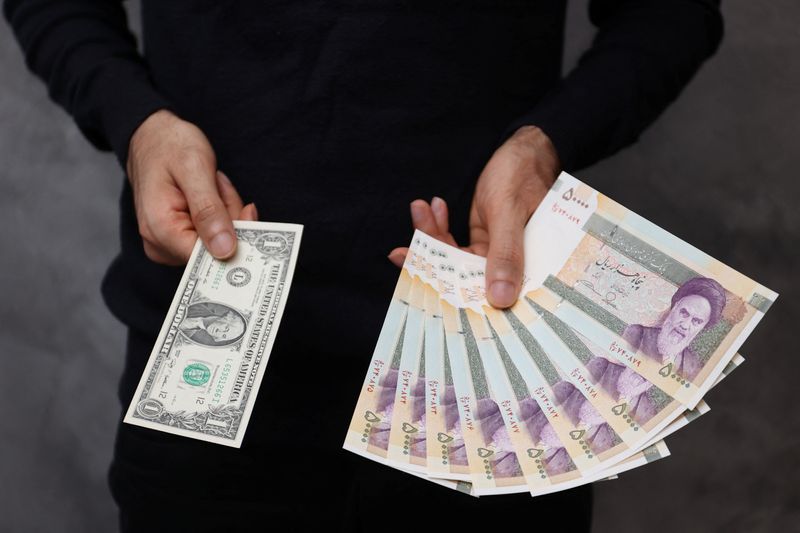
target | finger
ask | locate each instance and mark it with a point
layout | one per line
(423, 219)
(230, 197)
(398, 256)
(208, 212)
(504, 262)
(249, 212)
(164, 223)
(440, 214)
(478, 236)
(477, 248)
(174, 236)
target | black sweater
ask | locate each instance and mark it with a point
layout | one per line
(336, 114)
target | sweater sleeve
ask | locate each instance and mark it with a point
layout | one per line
(85, 53)
(644, 53)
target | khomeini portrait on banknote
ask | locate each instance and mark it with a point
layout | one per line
(696, 306)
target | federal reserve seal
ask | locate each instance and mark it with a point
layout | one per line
(196, 374)
(239, 277)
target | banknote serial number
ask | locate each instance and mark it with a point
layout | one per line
(224, 375)
(219, 275)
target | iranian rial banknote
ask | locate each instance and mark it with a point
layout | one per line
(492, 457)
(625, 405)
(407, 436)
(369, 430)
(205, 369)
(444, 444)
(447, 456)
(371, 425)
(613, 411)
(649, 300)
(547, 466)
(558, 399)
(539, 452)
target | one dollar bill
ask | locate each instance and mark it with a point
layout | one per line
(205, 369)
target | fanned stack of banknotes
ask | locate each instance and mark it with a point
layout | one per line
(620, 330)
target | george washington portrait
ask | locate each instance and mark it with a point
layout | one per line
(212, 324)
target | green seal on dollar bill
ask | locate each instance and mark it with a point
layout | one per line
(196, 374)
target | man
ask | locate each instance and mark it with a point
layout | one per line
(212, 324)
(335, 115)
(696, 306)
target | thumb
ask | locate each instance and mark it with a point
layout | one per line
(504, 262)
(209, 215)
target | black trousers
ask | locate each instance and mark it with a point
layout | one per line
(292, 474)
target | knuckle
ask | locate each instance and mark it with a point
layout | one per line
(205, 211)
(508, 254)
(162, 220)
(191, 159)
(195, 160)
(157, 231)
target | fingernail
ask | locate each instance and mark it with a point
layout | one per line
(395, 258)
(221, 245)
(437, 204)
(416, 212)
(255, 210)
(223, 176)
(503, 293)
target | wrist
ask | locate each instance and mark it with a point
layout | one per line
(532, 144)
(155, 122)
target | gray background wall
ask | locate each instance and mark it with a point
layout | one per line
(718, 169)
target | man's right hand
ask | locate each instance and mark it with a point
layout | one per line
(179, 193)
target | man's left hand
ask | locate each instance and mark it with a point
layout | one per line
(508, 191)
